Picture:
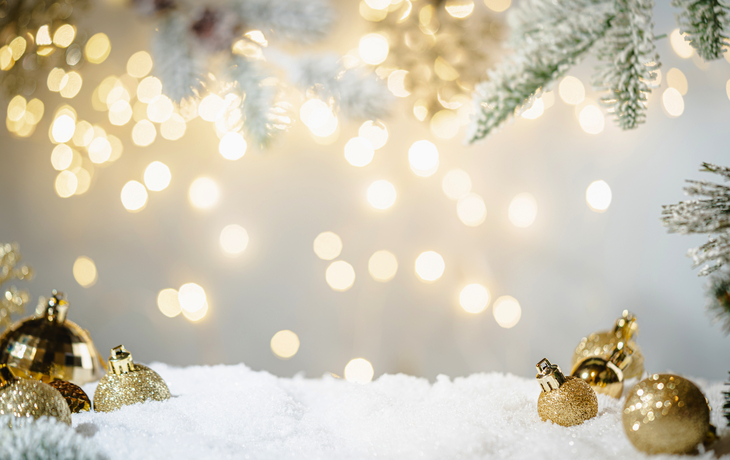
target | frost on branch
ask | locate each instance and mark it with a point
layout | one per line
(704, 23)
(25, 438)
(177, 65)
(299, 20)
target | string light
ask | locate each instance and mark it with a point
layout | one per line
(673, 102)
(423, 157)
(474, 298)
(327, 245)
(598, 196)
(203, 193)
(359, 370)
(285, 344)
(66, 184)
(168, 303)
(591, 119)
(459, 9)
(381, 194)
(97, 48)
(84, 271)
(61, 157)
(430, 266)
(382, 266)
(233, 239)
(174, 128)
(522, 210)
(139, 64)
(340, 275)
(99, 150)
(571, 90)
(232, 146)
(677, 80)
(191, 297)
(375, 132)
(507, 311)
(445, 124)
(211, 107)
(537, 109)
(456, 184)
(373, 49)
(196, 315)
(160, 109)
(63, 129)
(359, 151)
(471, 209)
(134, 196)
(157, 176)
(144, 133)
(498, 5)
(680, 45)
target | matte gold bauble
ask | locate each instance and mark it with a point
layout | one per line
(75, 397)
(127, 383)
(566, 401)
(600, 344)
(605, 376)
(48, 346)
(666, 414)
(30, 398)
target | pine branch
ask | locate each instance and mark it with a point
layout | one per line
(718, 298)
(546, 55)
(24, 438)
(629, 59)
(705, 23)
(177, 65)
(300, 20)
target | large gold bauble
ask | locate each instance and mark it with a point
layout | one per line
(666, 414)
(127, 383)
(566, 401)
(600, 344)
(48, 346)
(601, 376)
(30, 398)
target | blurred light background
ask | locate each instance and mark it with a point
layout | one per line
(408, 252)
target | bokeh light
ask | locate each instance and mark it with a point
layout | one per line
(100, 150)
(591, 119)
(373, 49)
(375, 132)
(571, 90)
(83, 176)
(430, 266)
(444, 124)
(120, 113)
(459, 8)
(456, 184)
(139, 65)
(381, 194)
(314, 113)
(537, 109)
(677, 80)
(382, 266)
(148, 89)
(97, 48)
(84, 271)
(598, 196)
(232, 146)
(673, 102)
(191, 297)
(327, 245)
(203, 193)
(474, 298)
(144, 133)
(61, 157)
(340, 275)
(522, 210)
(471, 209)
(134, 196)
(71, 85)
(66, 184)
(507, 311)
(498, 5)
(174, 128)
(397, 83)
(63, 129)
(233, 239)
(157, 176)
(211, 107)
(160, 109)
(680, 45)
(195, 315)
(359, 370)
(359, 151)
(16, 108)
(168, 303)
(423, 157)
(285, 344)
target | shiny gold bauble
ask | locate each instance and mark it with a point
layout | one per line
(76, 398)
(603, 377)
(571, 404)
(127, 383)
(48, 346)
(666, 414)
(30, 398)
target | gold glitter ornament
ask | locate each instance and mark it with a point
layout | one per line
(601, 343)
(566, 401)
(76, 398)
(127, 383)
(605, 376)
(667, 414)
(48, 346)
(30, 398)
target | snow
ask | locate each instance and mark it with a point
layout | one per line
(222, 412)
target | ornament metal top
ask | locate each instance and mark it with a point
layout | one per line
(49, 347)
(602, 343)
(566, 401)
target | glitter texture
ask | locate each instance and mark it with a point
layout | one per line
(139, 385)
(571, 404)
(600, 344)
(666, 413)
(31, 398)
(75, 397)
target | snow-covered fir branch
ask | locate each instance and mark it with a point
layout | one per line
(44, 439)
(178, 66)
(629, 60)
(718, 298)
(705, 23)
(299, 20)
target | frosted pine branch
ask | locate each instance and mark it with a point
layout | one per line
(300, 20)
(546, 55)
(24, 438)
(177, 64)
(705, 23)
(629, 62)
(718, 298)
(709, 215)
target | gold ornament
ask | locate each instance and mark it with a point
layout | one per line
(605, 376)
(30, 398)
(667, 414)
(13, 301)
(75, 397)
(601, 343)
(49, 347)
(566, 401)
(127, 383)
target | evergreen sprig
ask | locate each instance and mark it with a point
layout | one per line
(704, 22)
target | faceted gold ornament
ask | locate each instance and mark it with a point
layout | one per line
(30, 398)
(667, 414)
(127, 383)
(566, 401)
(75, 397)
(605, 376)
(49, 346)
(600, 344)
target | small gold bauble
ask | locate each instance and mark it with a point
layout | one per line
(48, 346)
(566, 401)
(30, 398)
(75, 397)
(600, 344)
(127, 383)
(666, 414)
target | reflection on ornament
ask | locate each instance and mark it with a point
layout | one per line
(566, 401)
(605, 375)
(75, 397)
(30, 398)
(48, 346)
(667, 414)
(127, 383)
(600, 344)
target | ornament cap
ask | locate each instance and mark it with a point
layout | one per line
(626, 326)
(549, 376)
(621, 356)
(120, 361)
(55, 308)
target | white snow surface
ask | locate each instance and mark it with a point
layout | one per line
(233, 412)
